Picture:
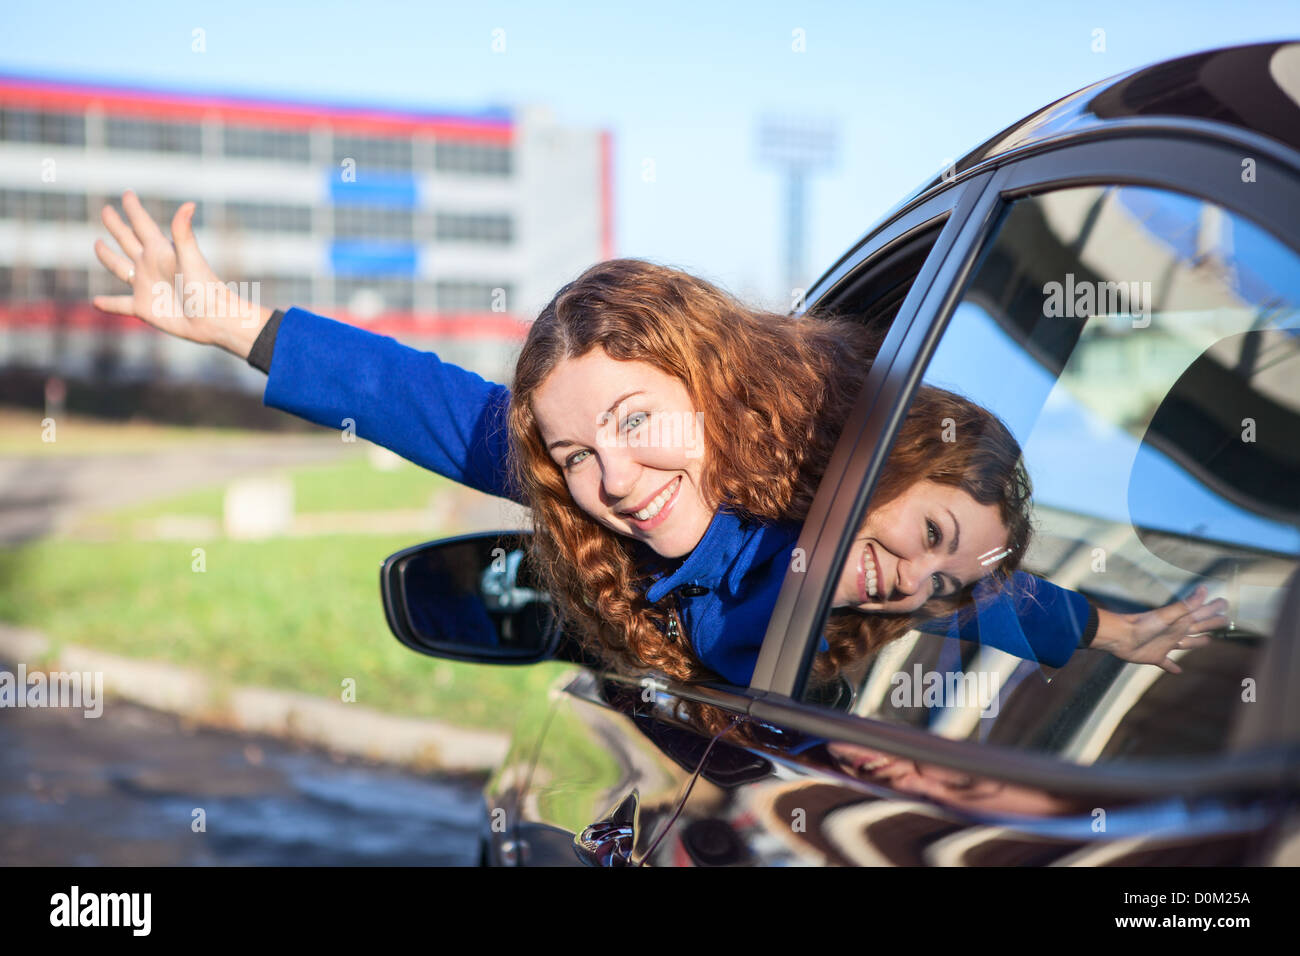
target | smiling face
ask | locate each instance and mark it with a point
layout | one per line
(626, 436)
(929, 542)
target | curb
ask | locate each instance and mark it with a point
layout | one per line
(412, 742)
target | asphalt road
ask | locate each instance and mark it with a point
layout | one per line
(121, 790)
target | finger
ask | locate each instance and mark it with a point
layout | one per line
(1210, 622)
(121, 232)
(1216, 608)
(1199, 617)
(183, 224)
(183, 235)
(1170, 666)
(1175, 618)
(1168, 641)
(141, 221)
(1171, 612)
(116, 263)
(1194, 640)
(116, 304)
(1198, 596)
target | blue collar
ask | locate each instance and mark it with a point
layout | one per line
(730, 548)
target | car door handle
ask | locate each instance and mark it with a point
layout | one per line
(609, 841)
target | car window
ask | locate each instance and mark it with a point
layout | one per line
(1110, 421)
(874, 292)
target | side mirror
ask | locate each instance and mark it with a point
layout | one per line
(472, 598)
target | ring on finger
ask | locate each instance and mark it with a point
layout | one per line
(130, 274)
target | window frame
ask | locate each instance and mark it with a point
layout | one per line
(1186, 161)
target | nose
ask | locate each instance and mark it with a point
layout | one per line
(619, 474)
(913, 573)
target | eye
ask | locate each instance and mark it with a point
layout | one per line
(936, 585)
(634, 420)
(933, 532)
(576, 458)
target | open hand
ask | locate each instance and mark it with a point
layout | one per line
(1147, 638)
(172, 286)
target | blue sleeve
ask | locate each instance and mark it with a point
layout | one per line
(1028, 617)
(437, 415)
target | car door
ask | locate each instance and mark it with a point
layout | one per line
(604, 778)
(1129, 307)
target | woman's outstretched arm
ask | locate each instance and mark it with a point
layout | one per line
(440, 416)
(1038, 620)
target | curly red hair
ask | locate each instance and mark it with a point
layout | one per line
(775, 389)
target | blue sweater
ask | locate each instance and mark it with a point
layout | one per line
(452, 421)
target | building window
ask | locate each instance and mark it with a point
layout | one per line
(281, 292)
(268, 217)
(368, 151)
(475, 158)
(249, 142)
(153, 136)
(462, 296)
(379, 294)
(33, 284)
(373, 222)
(31, 126)
(32, 205)
(72, 285)
(473, 227)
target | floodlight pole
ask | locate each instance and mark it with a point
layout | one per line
(796, 211)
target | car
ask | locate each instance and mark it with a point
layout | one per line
(1117, 277)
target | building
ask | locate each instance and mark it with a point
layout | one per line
(447, 231)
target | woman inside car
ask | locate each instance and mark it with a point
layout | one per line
(948, 526)
(752, 403)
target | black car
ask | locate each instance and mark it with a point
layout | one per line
(1117, 277)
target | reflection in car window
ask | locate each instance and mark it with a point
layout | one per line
(1134, 356)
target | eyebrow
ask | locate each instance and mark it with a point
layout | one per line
(952, 545)
(609, 411)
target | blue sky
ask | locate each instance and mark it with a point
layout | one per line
(911, 85)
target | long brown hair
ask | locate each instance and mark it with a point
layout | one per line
(774, 389)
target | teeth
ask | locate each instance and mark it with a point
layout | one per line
(653, 508)
(869, 566)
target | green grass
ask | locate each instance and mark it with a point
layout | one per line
(297, 613)
(354, 483)
(351, 484)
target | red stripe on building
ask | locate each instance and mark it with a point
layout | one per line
(47, 316)
(36, 94)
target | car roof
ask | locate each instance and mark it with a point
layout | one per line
(1254, 87)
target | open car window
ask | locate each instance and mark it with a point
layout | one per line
(1131, 356)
